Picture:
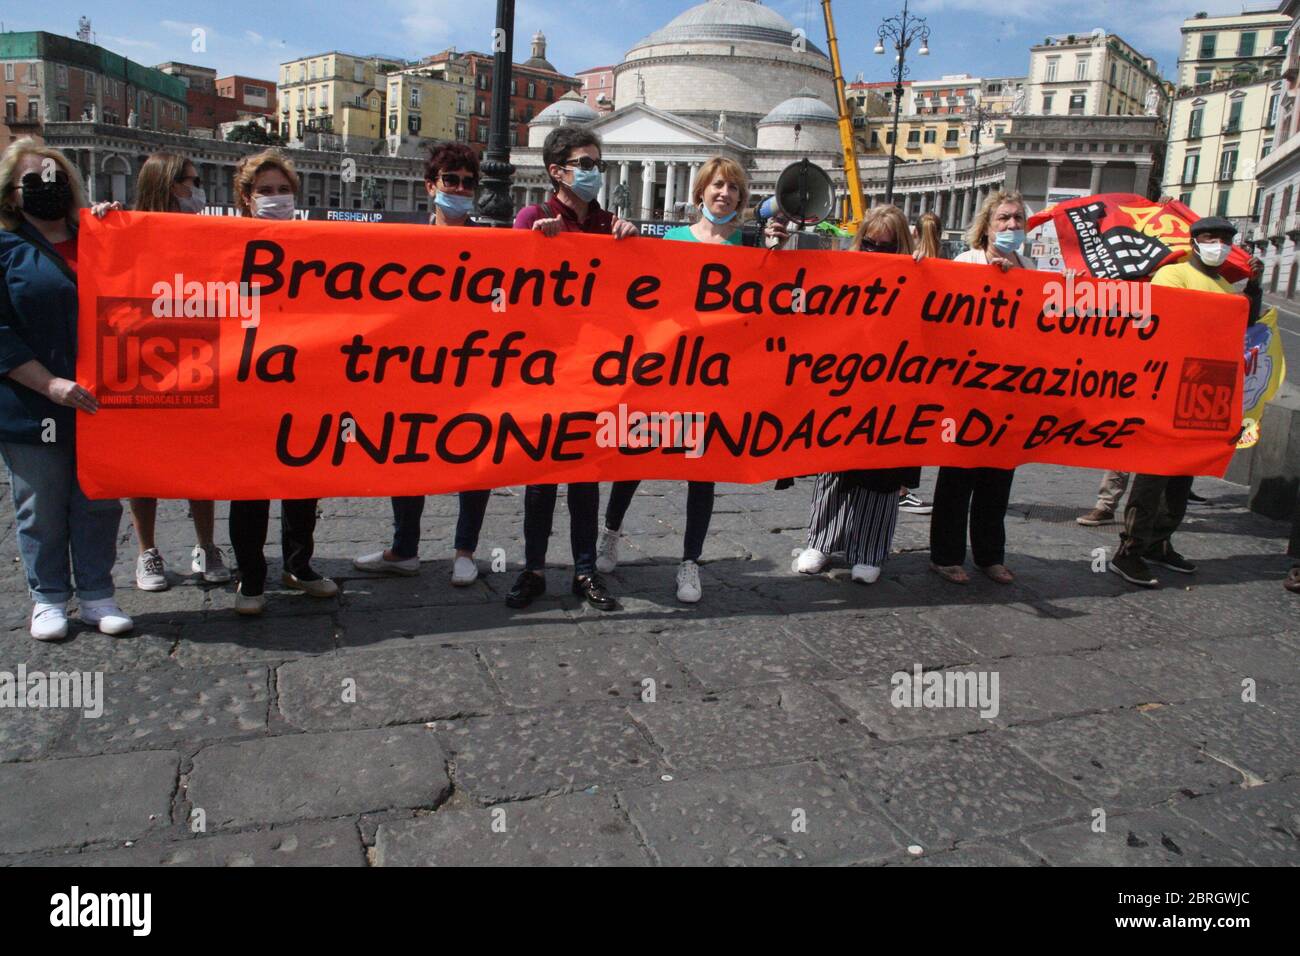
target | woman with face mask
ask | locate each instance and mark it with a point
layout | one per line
(978, 497)
(265, 186)
(720, 192)
(857, 511)
(168, 182)
(61, 533)
(450, 178)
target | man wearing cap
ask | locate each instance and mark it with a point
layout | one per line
(1157, 503)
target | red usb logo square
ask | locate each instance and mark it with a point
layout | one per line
(1205, 396)
(148, 362)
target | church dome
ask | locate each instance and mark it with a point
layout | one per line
(804, 107)
(725, 20)
(569, 108)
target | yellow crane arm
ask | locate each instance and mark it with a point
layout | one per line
(846, 122)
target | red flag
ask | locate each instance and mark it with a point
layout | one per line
(1126, 236)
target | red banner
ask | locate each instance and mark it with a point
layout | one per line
(410, 360)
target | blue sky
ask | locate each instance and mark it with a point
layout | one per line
(252, 36)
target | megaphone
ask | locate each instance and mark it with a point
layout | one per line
(804, 193)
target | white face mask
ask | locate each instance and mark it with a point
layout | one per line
(195, 202)
(1212, 252)
(273, 207)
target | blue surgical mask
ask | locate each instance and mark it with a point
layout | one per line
(454, 207)
(1009, 240)
(587, 183)
(718, 220)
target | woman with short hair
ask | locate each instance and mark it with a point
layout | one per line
(265, 186)
(721, 193)
(857, 511)
(977, 497)
(168, 182)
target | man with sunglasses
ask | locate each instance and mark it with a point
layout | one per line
(572, 158)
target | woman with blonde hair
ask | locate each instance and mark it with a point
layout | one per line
(929, 232)
(265, 186)
(61, 533)
(720, 192)
(857, 511)
(168, 182)
(978, 497)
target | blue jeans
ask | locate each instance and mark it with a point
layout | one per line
(407, 512)
(584, 516)
(54, 518)
(699, 512)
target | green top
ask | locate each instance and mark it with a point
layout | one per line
(684, 234)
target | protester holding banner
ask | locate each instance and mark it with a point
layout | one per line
(1157, 503)
(40, 197)
(721, 192)
(168, 182)
(572, 158)
(857, 511)
(265, 186)
(450, 177)
(978, 497)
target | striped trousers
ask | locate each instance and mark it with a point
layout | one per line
(856, 520)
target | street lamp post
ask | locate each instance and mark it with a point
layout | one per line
(900, 31)
(981, 116)
(493, 203)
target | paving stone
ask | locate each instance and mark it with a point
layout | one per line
(416, 627)
(1262, 658)
(734, 656)
(431, 588)
(302, 776)
(86, 650)
(1006, 630)
(940, 792)
(389, 686)
(1255, 738)
(1168, 674)
(1152, 838)
(878, 643)
(231, 640)
(1117, 761)
(873, 703)
(577, 829)
(1039, 688)
(1262, 823)
(516, 756)
(976, 854)
(1207, 610)
(30, 732)
(330, 843)
(776, 815)
(538, 673)
(746, 728)
(169, 705)
(80, 800)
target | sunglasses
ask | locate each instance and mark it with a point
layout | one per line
(869, 245)
(36, 180)
(586, 163)
(456, 181)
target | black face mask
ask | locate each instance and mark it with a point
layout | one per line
(44, 199)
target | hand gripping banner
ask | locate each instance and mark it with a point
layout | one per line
(408, 360)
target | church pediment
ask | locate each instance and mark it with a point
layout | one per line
(639, 123)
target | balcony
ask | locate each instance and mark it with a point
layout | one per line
(1293, 224)
(1275, 229)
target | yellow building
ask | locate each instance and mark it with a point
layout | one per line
(423, 109)
(1222, 120)
(922, 137)
(315, 92)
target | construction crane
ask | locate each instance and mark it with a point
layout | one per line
(846, 124)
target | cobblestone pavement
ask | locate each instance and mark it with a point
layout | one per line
(484, 735)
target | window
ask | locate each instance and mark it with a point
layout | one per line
(1279, 38)
(9, 72)
(1081, 67)
(1191, 165)
(311, 98)
(1202, 77)
(65, 113)
(1270, 118)
(1113, 66)
(1052, 63)
(11, 109)
(514, 88)
(413, 123)
(889, 138)
(302, 73)
(1185, 198)
(482, 107)
(33, 110)
(482, 133)
(1234, 116)
(1207, 45)
(1222, 209)
(1266, 148)
(532, 90)
(952, 137)
(1047, 103)
(528, 113)
(1194, 123)
(257, 92)
(1246, 44)
(415, 97)
(875, 138)
(1228, 162)
(460, 132)
(1077, 101)
(90, 81)
(1268, 208)
(358, 72)
(61, 74)
(392, 122)
(931, 135)
(913, 137)
(514, 136)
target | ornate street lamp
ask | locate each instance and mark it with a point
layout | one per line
(900, 31)
(979, 116)
(493, 204)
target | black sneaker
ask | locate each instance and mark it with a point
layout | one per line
(528, 587)
(1133, 570)
(1170, 559)
(1195, 498)
(591, 589)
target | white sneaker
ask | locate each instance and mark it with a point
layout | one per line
(210, 563)
(49, 621)
(150, 575)
(464, 571)
(377, 563)
(866, 573)
(249, 606)
(106, 615)
(607, 550)
(811, 561)
(688, 582)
